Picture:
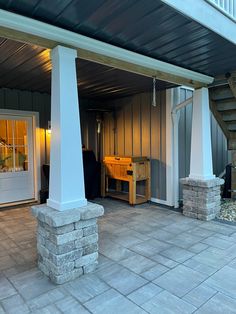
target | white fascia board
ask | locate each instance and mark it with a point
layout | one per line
(208, 15)
(52, 33)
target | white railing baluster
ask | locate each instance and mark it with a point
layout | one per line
(228, 7)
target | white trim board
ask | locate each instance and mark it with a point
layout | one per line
(28, 30)
(36, 149)
(161, 202)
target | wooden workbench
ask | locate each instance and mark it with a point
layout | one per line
(130, 169)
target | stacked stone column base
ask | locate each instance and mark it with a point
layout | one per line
(67, 241)
(201, 198)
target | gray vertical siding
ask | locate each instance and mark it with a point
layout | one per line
(27, 101)
(219, 142)
(185, 134)
(140, 131)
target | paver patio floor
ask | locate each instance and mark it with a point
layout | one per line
(152, 260)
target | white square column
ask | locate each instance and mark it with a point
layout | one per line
(67, 232)
(201, 190)
(66, 187)
(201, 152)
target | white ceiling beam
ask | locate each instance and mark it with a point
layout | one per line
(18, 27)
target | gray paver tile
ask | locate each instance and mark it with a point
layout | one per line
(6, 262)
(2, 310)
(86, 287)
(49, 309)
(199, 295)
(198, 247)
(122, 279)
(167, 303)
(202, 268)
(104, 262)
(32, 283)
(180, 280)
(150, 247)
(113, 250)
(15, 304)
(184, 241)
(138, 263)
(217, 242)
(177, 254)
(154, 272)
(200, 232)
(218, 227)
(144, 293)
(162, 235)
(6, 288)
(69, 305)
(126, 240)
(212, 257)
(46, 299)
(112, 302)
(218, 304)
(224, 280)
(164, 261)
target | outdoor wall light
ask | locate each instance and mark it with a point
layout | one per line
(49, 131)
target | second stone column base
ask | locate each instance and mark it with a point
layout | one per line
(201, 198)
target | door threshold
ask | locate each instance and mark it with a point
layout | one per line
(18, 204)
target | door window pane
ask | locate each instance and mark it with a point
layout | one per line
(20, 135)
(6, 132)
(21, 162)
(13, 145)
(6, 159)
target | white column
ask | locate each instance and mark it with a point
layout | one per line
(170, 186)
(201, 153)
(66, 187)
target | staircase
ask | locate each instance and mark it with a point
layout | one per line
(223, 107)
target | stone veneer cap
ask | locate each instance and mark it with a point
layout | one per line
(55, 218)
(202, 183)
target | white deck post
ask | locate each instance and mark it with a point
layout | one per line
(201, 190)
(201, 152)
(66, 187)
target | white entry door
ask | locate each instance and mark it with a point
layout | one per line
(16, 159)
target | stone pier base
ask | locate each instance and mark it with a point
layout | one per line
(67, 241)
(201, 199)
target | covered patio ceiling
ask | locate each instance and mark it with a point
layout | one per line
(28, 67)
(151, 28)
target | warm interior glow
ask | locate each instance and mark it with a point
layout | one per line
(14, 145)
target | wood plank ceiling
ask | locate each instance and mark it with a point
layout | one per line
(28, 67)
(149, 27)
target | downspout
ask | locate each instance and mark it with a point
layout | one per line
(175, 119)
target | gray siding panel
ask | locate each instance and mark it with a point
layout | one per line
(140, 131)
(11, 99)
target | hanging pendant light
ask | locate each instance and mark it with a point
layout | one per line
(154, 92)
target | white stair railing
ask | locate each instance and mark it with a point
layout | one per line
(228, 7)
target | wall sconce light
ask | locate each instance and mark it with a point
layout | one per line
(49, 131)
